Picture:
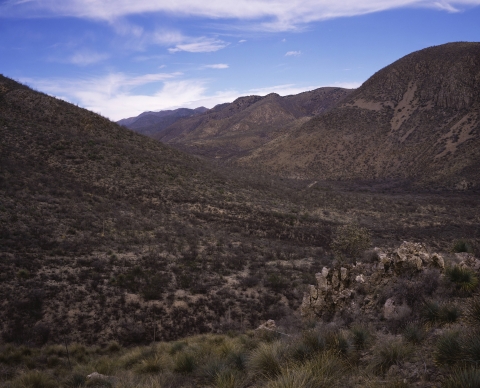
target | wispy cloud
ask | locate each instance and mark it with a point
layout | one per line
(84, 58)
(200, 45)
(116, 95)
(217, 66)
(279, 15)
(293, 53)
(242, 41)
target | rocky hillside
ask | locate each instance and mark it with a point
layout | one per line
(152, 123)
(236, 128)
(415, 120)
(109, 235)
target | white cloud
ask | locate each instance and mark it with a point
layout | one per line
(84, 58)
(217, 66)
(115, 95)
(200, 45)
(293, 53)
(278, 15)
(242, 41)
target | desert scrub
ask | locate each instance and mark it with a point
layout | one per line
(464, 279)
(350, 241)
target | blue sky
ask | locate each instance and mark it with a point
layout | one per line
(122, 57)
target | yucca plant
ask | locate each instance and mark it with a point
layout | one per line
(464, 278)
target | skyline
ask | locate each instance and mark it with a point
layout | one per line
(120, 59)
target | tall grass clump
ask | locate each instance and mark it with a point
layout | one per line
(436, 313)
(34, 379)
(387, 354)
(472, 312)
(463, 246)
(466, 378)
(448, 348)
(266, 360)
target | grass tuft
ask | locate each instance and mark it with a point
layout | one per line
(467, 378)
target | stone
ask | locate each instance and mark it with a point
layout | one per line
(343, 274)
(269, 325)
(360, 279)
(393, 311)
(99, 376)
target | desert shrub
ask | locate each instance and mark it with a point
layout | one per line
(414, 333)
(113, 347)
(326, 368)
(387, 354)
(463, 278)
(23, 273)
(463, 246)
(34, 379)
(448, 348)
(350, 241)
(466, 378)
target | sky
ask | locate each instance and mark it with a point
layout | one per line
(123, 57)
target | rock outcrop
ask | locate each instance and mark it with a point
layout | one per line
(354, 288)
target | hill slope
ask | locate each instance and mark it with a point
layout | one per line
(416, 120)
(152, 123)
(236, 128)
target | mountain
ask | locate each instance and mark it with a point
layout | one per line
(416, 120)
(151, 123)
(234, 129)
